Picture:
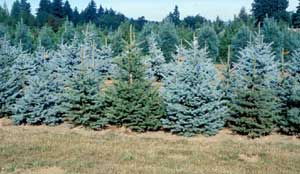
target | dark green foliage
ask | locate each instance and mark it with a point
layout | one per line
(296, 17)
(289, 93)
(90, 13)
(207, 37)
(84, 105)
(270, 8)
(168, 39)
(243, 16)
(254, 111)
(194, 22)
(4, 14)
(254, 106)
(43, 12)
(68, 12)
(174, 17)
(132, 101)
(57, 8)
(22, 10)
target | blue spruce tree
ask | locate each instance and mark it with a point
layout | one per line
(254, 106)
(37, 106)
(156, 60)
(8, 55)
(193, 97)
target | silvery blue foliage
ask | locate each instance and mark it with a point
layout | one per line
(38, 105)
(256, 56)
(8, 55)
(193, 98)
(156, 61)
(293, 66)
(104, 61)
(24, 66)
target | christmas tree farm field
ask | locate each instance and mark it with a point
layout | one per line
(62, 150)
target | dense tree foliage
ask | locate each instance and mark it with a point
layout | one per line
(270, 8)
(193, 98)
(208, 38)
(254, 107)
(132, 100)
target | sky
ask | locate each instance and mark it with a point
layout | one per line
(156, 10)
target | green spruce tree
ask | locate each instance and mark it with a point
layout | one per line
(254, 106)
(132, 101)
(289, 122)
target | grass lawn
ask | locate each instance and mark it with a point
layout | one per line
(61, 150)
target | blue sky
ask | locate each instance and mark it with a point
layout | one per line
(158, 9)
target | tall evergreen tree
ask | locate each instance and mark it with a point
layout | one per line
(243, 16)
(68, 12)
(132, 101)
(43, 12)
(22, 9)
(289, 122)
(8, 55)
(270, 8)
(174, 17)
(57, 8)
(90, 13)
(254, 106)
(4, 14)
(273, 34)
(240, 41)
(168, 39)
(76, 16)
(147, 30)
(84, 105)
(156, 61)
(193, 97)
(16, 10)
(39, 101)
(23, 68)
(296, 17)
(207, 37)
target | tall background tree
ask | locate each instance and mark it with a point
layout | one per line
(270, 8)
(43, 12)
(175, 16)
(89, 14)
(296, 17)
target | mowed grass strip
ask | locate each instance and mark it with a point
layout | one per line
(60, 150)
